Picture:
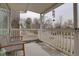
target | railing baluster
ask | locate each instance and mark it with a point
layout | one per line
(63, 39)
(70, 43)
(54, 38)
(65, 35)
(57, 38)
(60, 38)
(66, 41)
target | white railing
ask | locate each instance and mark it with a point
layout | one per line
(27, 34)
(62, 39)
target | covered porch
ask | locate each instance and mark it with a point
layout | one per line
(41, 40)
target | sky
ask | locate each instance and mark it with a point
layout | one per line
(30, 14)
(65, 10)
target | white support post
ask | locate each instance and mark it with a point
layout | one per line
(41, 21)
(76, 38)
(41, 26)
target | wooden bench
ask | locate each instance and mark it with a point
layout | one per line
(13, 43)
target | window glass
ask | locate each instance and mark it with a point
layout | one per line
(3, 22)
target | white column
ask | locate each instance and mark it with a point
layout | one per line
(76, 38)
(41, 27)
(41, 21)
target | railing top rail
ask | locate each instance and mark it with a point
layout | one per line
(61, 30)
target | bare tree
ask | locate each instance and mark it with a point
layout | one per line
(48, 24)
(59, 23)
(68, 24)
(36, 23)
(28, 23)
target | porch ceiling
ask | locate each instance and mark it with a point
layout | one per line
(34, 7)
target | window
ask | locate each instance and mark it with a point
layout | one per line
(3, 21)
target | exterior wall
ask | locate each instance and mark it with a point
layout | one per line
(5, 30)
(15, 17)
(3, 20)
(3, 26)
(14, 23)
